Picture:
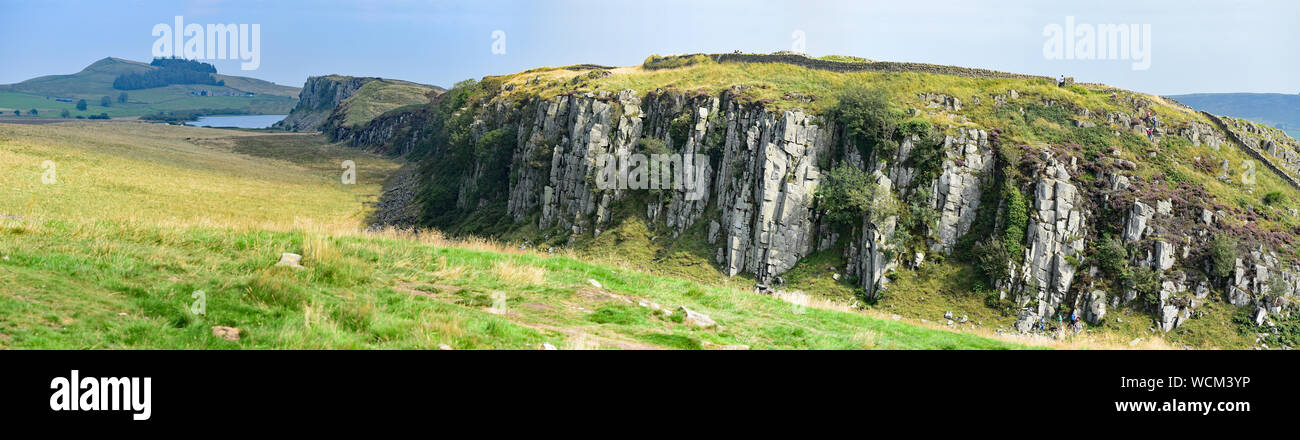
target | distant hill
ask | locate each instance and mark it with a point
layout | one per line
(52, 94)
(333, 101)
(1273, 109)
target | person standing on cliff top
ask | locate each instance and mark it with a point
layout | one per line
(1061, 82)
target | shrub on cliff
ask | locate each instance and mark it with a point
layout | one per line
(868, 120)
(1110, 254)
(1273, 197)
(648, 146)
(1145, 281)
(1017, 220)
(844, 194)
(496, 142)
(991, 259)
(1223, 255)
(679, 129)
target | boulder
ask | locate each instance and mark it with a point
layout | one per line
(227, 333)
(1164, 255)
(1238, 297)
(1165, 207)
(1095, 310)
(1026, 321)
(1137, 221)
(696, 319)
(1168, 317)
(290, 260)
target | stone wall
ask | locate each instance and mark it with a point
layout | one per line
(1237, 139)
(872, 66)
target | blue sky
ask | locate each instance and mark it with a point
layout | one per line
(1196, 46)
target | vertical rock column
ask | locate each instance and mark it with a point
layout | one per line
(766, 189)
(874, 257)
(1056, 228)
(957, 190)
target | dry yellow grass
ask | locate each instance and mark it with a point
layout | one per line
(520, 274)
(866, 340)
(137, 172)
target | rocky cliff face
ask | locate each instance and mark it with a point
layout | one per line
(1055, 243)
(758, 200)
(758, 205)
(324, 106)
(394, 134)
(319, 97)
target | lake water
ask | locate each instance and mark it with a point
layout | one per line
(251, 121)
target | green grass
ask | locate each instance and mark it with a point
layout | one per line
(377, 97)
(175, 98)
(144, 217)
(1214, 329)
(938, 288)
(115, 285)
(96, 81)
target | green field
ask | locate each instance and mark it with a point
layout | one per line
(142, 221)
(377, 97)
(143, 102)
(95, 82)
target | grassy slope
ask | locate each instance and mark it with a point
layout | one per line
(96, 81)
(258, 86)
(377, 97)
(143, 216)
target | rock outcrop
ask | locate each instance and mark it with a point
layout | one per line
(966, 165)
(323, 105)
(751, 200)
(762, 201)
(319, 97)
(1055, 240)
